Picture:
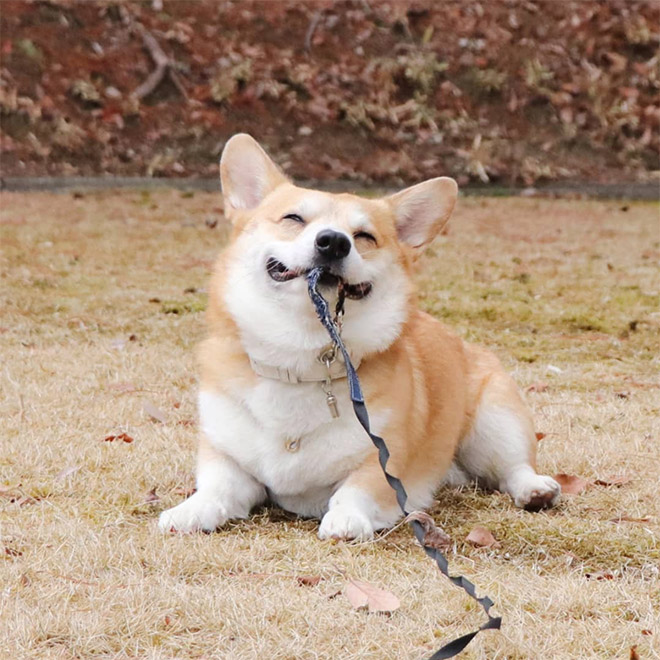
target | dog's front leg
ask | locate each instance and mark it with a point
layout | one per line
(362, 504)
(224, 491)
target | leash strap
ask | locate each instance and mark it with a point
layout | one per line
(454, 647)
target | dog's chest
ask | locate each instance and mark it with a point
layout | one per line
(285, 436)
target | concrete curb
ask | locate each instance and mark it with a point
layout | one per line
(635, 191)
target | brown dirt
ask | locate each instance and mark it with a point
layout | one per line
(514, 92)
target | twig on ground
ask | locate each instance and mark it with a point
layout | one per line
(164, 65)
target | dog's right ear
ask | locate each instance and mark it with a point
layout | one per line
(247, 174)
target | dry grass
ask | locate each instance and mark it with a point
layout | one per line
(84, 573)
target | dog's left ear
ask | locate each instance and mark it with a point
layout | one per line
(247, 174)
(421, 211)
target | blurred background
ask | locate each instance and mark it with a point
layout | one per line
(509, 92)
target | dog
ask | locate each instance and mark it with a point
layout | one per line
(276, 419)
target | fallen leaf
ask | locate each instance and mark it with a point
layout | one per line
(12, 552)
(27, 500)
(600, 575)
(570, 484)
(362, 594)
(154, 412)
(67, 472)
(308, 580)
(539, 435)
(122, 436)
(482, 538)
(633, 653)
(538, 387)
(151, 497)
(615, 480)
(646, 631)
(434, 537)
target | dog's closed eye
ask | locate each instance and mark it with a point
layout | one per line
(293, 216)
(366, 236)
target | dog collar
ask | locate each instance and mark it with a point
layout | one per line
(319, 373)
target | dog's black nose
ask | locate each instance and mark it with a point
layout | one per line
(332, 244)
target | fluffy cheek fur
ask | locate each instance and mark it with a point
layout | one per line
(288, 332)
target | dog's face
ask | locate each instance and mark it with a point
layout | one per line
(282, 231)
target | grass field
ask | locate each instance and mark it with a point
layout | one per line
(103, 298)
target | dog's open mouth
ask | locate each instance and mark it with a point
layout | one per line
(281, 273)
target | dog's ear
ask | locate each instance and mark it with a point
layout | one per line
(421, 211)
(247, 174)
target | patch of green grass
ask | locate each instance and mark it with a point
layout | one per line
(185, 306)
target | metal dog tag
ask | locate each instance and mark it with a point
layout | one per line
(331, 400)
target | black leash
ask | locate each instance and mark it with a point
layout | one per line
(454, 647)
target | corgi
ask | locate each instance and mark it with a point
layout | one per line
(447, 410)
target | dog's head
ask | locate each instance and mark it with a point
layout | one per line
(282, 231)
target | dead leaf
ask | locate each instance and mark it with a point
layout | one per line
(482, 538)
(615, 480)
(12, 552)
(362, 594)
(570, 484)
(151, 497)
(434, 537)
(633, 653)
(121, 436)
(308, 580)
(154, 412)
(600, 575)
(27, 500)
(646, 631)
(538, 387)
(67, 472)
(539, 435)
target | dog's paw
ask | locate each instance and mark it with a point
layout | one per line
(536, 492)
(343, 522)
(196, 514)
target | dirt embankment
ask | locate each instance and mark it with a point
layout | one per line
(512, 92)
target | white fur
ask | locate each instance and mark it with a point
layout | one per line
(224, 491)
(253, 433)
(496, 452)
(354, 514)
